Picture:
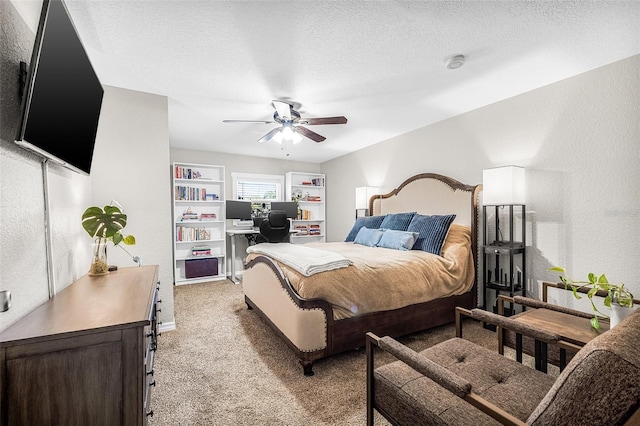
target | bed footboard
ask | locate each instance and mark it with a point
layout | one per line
(303, 324)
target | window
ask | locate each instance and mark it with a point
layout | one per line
(259, 189)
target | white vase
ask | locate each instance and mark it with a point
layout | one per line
(618, 313)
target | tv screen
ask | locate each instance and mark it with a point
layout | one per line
(238, 210)
(63, 97)
(288, 206)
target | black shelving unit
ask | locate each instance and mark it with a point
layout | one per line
(504, 257)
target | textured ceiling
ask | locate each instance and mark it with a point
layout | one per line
(382, 64)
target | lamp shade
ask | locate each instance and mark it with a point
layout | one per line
(363, 194)
(503, 186)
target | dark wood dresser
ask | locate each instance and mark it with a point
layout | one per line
(86, 356)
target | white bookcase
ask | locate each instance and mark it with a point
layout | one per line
(308, 189)
(199, 247)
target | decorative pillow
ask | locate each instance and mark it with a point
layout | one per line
(433, 231)
(368, 237)
(371, 222)
(397, 221)
(398, 240)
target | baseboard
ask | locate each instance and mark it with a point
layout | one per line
(167, 326)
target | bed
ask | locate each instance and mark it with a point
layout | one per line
(324, 324)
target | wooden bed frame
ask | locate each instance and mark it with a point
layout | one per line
(307, 325)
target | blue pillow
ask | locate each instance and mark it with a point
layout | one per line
(397, 221)
(371, 222)
(433, 231)
(398, 240)
(368, 237)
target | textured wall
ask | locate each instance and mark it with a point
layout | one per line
(579, 140)
(22, 245)
(131, 165)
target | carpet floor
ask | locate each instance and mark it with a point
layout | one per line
(223, 365)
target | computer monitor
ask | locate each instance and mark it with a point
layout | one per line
(238, 209)
(290, 207)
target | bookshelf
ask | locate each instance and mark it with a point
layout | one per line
(199, 246)
(308, 189)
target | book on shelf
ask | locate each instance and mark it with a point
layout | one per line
(189, 216)
(207, 216)
(313, 198)
(198, 251)
(189, 193)
(314, 229)
(187, 233)
(319, 181)
(305, 214)
(187, 173)
(301, 229)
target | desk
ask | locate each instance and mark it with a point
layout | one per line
(232, 233)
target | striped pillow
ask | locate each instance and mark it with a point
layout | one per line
(397, 221)
(433, 231)
(371, 222)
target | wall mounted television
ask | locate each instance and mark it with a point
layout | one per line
(63, 97)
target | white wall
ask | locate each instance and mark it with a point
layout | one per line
(131, 166)
(579, 140)
(241, 164)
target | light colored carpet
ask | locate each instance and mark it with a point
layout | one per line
(225, 366)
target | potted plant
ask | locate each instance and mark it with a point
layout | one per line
(617, 296)
(104, 225)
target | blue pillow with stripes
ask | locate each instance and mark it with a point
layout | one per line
(432, 231)
(371, 222)
(397, 221)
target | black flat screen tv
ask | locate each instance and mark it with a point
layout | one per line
(63, 97)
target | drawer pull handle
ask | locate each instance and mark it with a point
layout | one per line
(150, 335)
(150, 373)
(496, 251)
(159, 310)
(150, 413)
(159, 301)
(153, 384)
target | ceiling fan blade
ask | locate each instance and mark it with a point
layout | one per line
(308, 133)
(248, 121)
(283, 109)
(326, 120)
(269, 135)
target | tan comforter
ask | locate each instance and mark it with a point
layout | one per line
(384, 279)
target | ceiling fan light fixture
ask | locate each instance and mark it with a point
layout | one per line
(278, 137)
(287, 132)
(296, 137)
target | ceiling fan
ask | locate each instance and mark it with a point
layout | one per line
(291, 128)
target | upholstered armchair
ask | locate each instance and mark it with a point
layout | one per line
(457, 382)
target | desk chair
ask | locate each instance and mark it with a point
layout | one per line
(275, 229)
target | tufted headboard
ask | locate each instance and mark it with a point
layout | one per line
(429, 194)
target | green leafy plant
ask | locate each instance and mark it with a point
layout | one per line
(616, 293)
(104, 225)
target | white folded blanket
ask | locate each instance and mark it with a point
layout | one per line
(306, 260)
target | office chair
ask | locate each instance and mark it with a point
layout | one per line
(274, 229)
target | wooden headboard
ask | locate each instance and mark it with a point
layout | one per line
(429, 194)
